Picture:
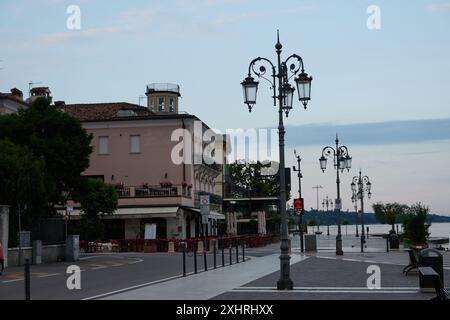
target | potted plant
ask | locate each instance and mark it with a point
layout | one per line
(165, 183)
(415, 226)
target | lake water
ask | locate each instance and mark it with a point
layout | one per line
(436, 229)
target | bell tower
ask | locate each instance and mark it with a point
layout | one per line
(162, 98)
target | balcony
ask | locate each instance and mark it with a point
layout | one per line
(155, 191)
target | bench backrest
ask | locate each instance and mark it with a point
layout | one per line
(412, 256)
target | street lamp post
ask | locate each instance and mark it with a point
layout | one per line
(341, 161)
(283, 93)
(360, 185)
(300, 176)
(328, 203)
(355, 202)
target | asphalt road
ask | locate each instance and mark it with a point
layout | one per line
(101, 275)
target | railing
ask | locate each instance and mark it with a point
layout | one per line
(163, 87)
(153, 191)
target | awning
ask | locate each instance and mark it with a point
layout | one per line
(138, 213)
(217, 215)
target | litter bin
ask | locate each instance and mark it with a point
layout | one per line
(394, 241)
(310, 242)
(432, 258)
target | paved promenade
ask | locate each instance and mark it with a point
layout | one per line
(321, 275)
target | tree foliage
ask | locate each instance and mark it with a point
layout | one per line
(96, 198)
(389, 213)
(22, 182)
(250, 179)
(415, 226)
(57, 139)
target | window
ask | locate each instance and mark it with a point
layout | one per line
(103, 145)
(152, 104)
(135, 144)
(161, 104)
(171, 104)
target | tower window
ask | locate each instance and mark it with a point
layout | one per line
(161, 104)
(171, 104)
(152, 104)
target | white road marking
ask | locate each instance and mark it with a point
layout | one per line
(330, 288)
(155, 282)
(8, 281)
(333, 291)
(131, 288)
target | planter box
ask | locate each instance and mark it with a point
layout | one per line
(150, 247)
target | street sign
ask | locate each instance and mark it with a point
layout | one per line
(204, 208)
(204, 200)
(69, 210)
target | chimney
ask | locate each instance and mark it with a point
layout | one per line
(17, 94)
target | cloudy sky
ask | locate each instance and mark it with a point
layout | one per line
(374, 86)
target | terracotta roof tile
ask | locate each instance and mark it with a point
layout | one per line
(103, 111)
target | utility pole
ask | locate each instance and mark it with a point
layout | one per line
(317, 191)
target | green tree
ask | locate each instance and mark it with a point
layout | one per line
(251, 178)
(389, 213)
(97, 199)
(57, 139)
(415, 226)
(22, 183)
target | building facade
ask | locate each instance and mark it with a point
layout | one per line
(138, 150)
(12, 102)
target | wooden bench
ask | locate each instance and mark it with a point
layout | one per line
(429, 276)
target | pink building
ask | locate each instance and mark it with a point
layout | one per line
(133, 150)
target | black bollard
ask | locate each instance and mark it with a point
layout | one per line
(223, 255)
(204, 260)
(184, 259)
(237, 251)
(215, 258)
(27, 279)
(195, 259)
(387, 244)
(231, 258)
(243, 251)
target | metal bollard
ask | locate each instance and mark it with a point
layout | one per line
(387, 244)
(243, 251)
(237, 251)
(27, 279)
(215, 258)
(204, 260)
(184, 259)
(195, 259)
(223, 255)
(231, 258)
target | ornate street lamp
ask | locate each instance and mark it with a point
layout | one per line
(355, 202)
(341, 161)
(250, 88)
(360, 185)
(300, 176)
(328, 203)
(283, 93)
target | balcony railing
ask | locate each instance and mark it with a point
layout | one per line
(153, 191)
